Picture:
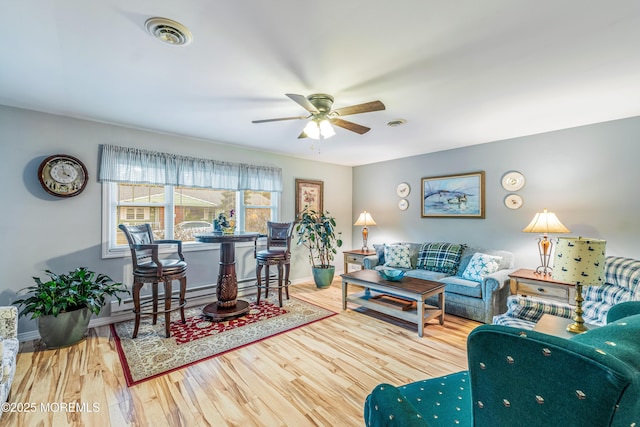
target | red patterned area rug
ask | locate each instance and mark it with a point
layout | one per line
(151, 355)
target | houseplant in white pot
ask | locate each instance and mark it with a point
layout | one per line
(316, 231)
(63, 304)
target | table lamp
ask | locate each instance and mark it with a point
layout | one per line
(545, 223)
(365, 219)
(579, 261)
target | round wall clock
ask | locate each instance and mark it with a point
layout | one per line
(513, 201)
(403, 204)
(62, 175)
(512, 181)
(403, 189)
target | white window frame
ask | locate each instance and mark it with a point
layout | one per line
(109, 219)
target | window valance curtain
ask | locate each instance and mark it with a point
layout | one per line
(133, 165)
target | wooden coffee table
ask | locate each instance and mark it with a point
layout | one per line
(404, 299)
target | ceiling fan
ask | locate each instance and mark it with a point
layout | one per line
(322, 116)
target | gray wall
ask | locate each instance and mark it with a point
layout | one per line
(41, 232)
(587, 175)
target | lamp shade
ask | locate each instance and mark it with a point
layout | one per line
(580, 261)
(544, 223)
(312, 130)
(317, 128)
(365, 219)
(326, 130)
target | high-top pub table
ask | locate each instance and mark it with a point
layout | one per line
(227, 306)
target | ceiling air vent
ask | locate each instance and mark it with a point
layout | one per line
(396, 122)
(168, 31)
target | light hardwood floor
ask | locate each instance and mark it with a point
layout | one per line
(317, 375)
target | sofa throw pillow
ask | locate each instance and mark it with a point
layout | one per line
(397, 256)
(440, 257)
(481, 265)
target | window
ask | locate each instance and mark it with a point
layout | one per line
(180, 196)
(181, 212)
(257, 208)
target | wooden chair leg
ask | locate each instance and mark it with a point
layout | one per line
(167, 308)
(266, 280)
(259, 277)
(154, 298)
(280, 274)
(183, 291)
(136, 306)
(287, 269)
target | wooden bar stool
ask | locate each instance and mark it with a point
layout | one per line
(148, 268)
(278, 253)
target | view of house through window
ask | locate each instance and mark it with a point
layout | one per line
(192, 209)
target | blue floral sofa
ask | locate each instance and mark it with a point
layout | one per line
(518, 377)
(476, 279)
(622, 283)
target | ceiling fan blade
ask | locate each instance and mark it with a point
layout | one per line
(303, 102)
(367, 107)
(302, 135)
(353, 127)
(280, 119)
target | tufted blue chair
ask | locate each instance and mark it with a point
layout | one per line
(520, 377)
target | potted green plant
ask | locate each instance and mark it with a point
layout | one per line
(63, 304)
(316, 231)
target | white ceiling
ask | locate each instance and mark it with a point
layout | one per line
(461, 72)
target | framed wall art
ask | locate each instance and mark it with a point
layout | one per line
(453, 196)
(309, 193)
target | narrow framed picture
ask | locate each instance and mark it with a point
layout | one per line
(453, 196)
(309, 194)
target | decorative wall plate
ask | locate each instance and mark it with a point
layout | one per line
(403, 204)
(403, 189)
(512, 181)
(513, 201)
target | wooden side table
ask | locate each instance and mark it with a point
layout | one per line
(527, 282)
(557, 326)
(356, 257)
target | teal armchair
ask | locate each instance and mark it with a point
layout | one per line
(522, 377)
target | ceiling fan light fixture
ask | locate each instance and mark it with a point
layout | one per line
(323, 118)
(312, 130)
(319, 128)
(326, 130)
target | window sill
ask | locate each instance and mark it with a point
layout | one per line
(124, 252)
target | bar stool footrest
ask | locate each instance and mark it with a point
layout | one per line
(151, 313)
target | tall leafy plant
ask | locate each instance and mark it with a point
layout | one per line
(68, 292)
(316, 231)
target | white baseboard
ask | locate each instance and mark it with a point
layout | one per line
(123, 312)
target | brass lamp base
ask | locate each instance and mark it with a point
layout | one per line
(577, 327)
